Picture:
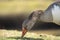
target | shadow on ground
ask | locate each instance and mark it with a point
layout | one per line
(25, 38)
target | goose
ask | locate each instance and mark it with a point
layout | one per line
(51, 14)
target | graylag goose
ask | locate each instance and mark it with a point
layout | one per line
(51, 14)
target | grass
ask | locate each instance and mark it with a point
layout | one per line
(16, 35)
(18, 38)
(26, 38)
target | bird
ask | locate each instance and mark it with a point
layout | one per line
(51, 14)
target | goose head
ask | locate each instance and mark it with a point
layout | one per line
(30, 21)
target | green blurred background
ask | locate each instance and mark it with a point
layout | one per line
(14, 7)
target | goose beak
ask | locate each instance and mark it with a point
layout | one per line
(24, 31)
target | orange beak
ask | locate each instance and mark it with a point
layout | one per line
(24, 31)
